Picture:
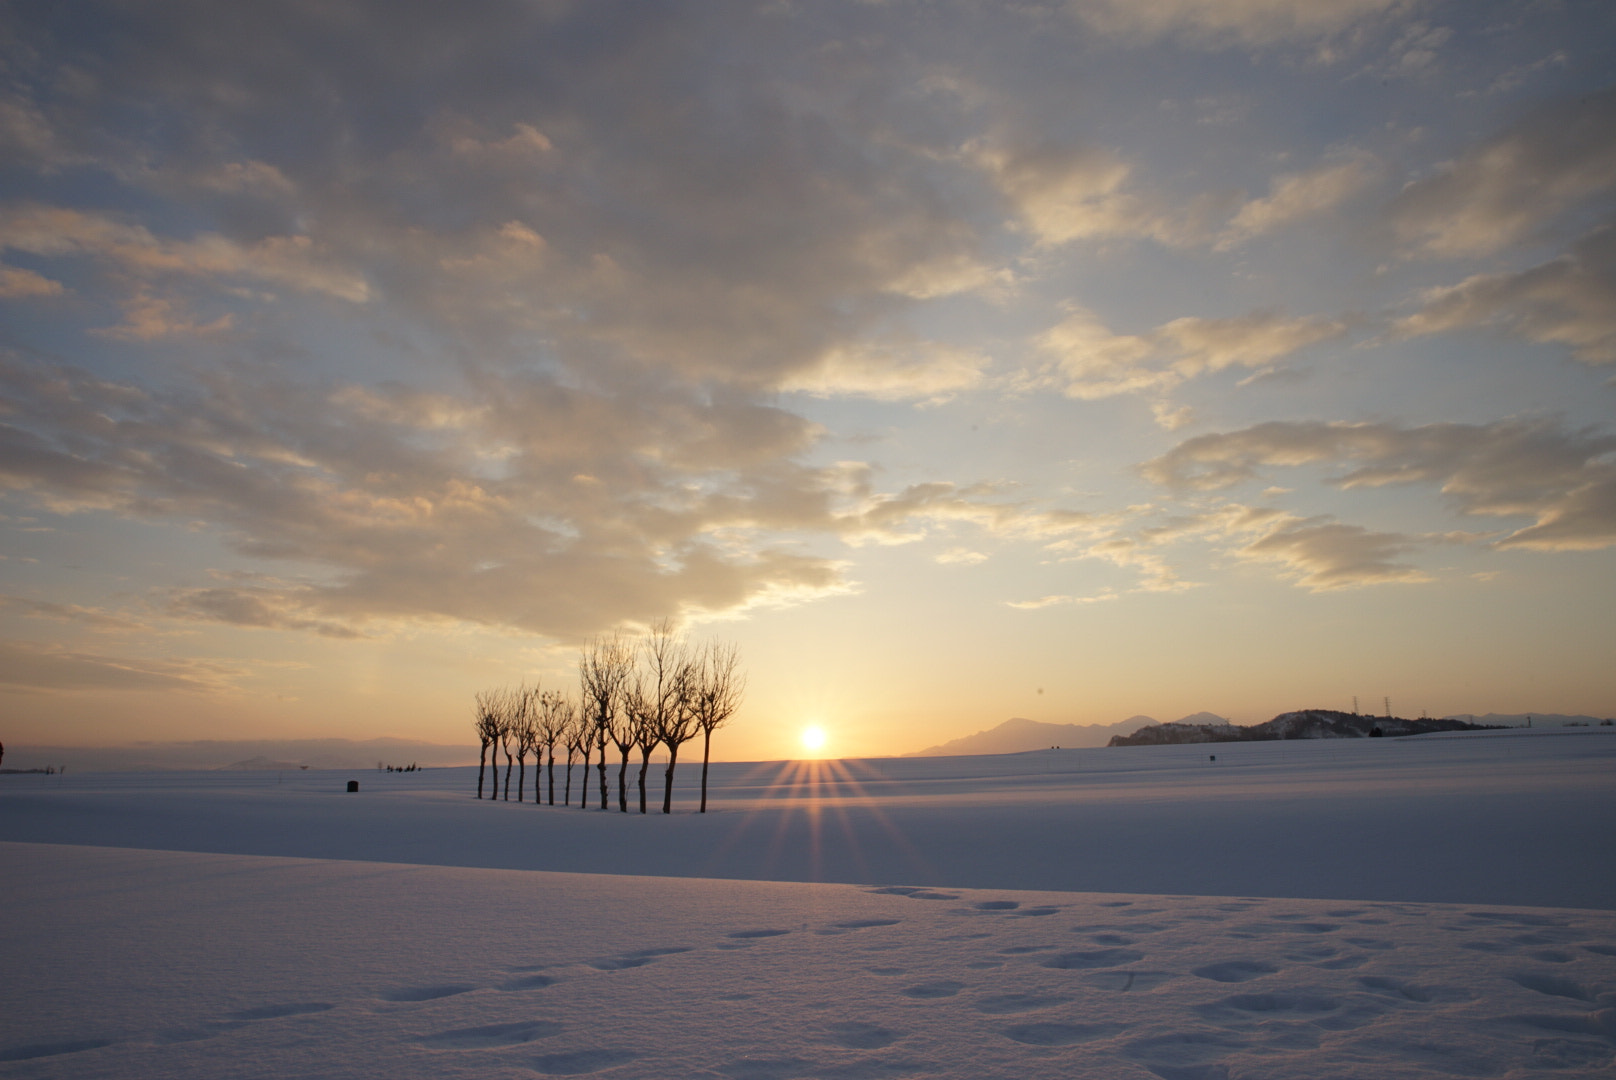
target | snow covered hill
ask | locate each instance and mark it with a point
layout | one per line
(1301, 724)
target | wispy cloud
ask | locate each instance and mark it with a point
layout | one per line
(1563, 480)
(1569, 300)
(1502, 191)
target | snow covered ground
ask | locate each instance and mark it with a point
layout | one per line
(1386, 908)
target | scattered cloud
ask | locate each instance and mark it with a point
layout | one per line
(920, 370)
(1570, 300)
(272, 609)
(293, 261)
(1504, 190)
(1321, 554)
(913, 513)
(1056, 600)
(42, 667)
(93, 618)
(1564, 480)
(1065, 193)
(1297, 196)
(17, 284)
(1091, 362)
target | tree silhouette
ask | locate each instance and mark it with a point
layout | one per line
(507, 728)
(603, 669)
(524, 732)
(554, 715)
(485, 719)
(718, 692)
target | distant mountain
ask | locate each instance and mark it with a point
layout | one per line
(1538, 719)
(262, 764)
(1019, 734)
(1302, 724)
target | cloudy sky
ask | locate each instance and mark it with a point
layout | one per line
(958, 360)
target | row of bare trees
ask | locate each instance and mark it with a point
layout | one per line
(634, 694)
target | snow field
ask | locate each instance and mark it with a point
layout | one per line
(1315, 910)
(1508, 819)
(128, 963)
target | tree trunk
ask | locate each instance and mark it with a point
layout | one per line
(482, 764)
(552, 776)
(583, 784)
(521, 773)
(507, 774)
(706, 750)
(622, 780)
(645, 763)
(566, 792)
(667, 783)
(605, 799)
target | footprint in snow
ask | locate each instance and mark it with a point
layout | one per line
(861, 924)
(1377, 944)
(1094, 958)
(529, 982)
(1005, 1004)
(1497, 948)
(425, 993)
(491, 1036)
(756, 933)
(996, 905)
(1422, 994)
(941, 988)
(1051, 1034)
(1234, 971)
(769, 1069)
(43, 1050)
(1515, 918)
(913, 892)
(581, 1062)
(857, 1035)
(623, 961)
(275, 1012)
(1124, 981)
(1276, 1004)
(1179, 1054)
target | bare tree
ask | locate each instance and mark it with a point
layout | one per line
(507, 728)
(665, 684)
(646, 735)
(718, 690)
(603, 668)
(623, 733)
(486, 722)
(554, 714)
(576, 737)
(525, 733)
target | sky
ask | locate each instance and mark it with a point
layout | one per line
(955, 360)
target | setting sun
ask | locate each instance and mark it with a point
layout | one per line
(813, 740)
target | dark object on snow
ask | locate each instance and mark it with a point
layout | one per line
(353, 785)
(1376, 733)
(1302, 724)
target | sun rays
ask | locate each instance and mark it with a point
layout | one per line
(817, 802)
